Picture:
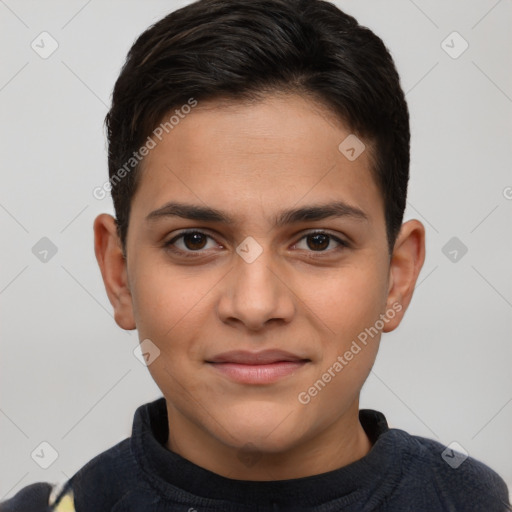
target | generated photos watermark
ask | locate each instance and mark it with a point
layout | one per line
(305, 397)
(166, 127)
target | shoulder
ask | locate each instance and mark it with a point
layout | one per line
(104, 480)
(108, 478)
(41, 497)
(458, 479)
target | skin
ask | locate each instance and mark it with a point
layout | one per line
(309, 297)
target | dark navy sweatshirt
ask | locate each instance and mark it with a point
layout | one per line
(401, 473)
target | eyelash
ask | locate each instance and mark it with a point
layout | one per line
(195, 254)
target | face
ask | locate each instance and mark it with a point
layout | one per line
(286, 250)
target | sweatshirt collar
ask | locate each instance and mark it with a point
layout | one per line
(179, 479)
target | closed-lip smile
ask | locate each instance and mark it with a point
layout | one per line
(264, 367)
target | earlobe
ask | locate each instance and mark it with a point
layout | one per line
(112, 263)
(406, 263)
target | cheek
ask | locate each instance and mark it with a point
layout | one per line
(346, 305)
(173, 308)
(165, 300)
(345, 300)
(168, 308)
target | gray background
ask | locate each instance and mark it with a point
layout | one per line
(68, 375)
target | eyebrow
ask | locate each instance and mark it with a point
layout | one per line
(285, 217)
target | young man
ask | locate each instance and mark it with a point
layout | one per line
(258, 162)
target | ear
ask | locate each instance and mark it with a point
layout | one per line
(406, 262)
(112, 262)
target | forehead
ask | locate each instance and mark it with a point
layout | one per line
(258, 157)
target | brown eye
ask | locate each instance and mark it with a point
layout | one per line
(188, 243)
(194, 240)
(318, 241)
(321, 242)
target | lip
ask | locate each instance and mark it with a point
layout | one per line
(263, 367)
(256, 358)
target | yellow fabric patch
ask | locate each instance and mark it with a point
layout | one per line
(66, 503)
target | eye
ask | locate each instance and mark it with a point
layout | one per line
(194, 242)
(189, 242)
(319, 241)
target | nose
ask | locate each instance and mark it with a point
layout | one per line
(256, 293)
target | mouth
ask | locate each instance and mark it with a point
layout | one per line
(263, 367)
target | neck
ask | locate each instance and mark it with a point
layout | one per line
(340, 444)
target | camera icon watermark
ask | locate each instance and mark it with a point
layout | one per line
(454, 455)
(44, 455)
(249, 249)
(454, 249)
(146, 352)
(454, 45)
(44, 250)
(351, 147)
(44, 45)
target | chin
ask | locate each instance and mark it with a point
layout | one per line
(270, 429)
